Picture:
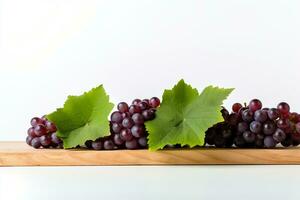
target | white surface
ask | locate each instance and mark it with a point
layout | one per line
(136, 48)
(148, 183)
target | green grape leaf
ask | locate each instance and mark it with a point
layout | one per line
(83, 117)
(184, 116)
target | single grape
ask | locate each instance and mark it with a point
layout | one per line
(247, 115)
(259, 143)
(269, 142)
(261, 116)
(293, 117)
(227, 133)
(210, 136)
(233, 119)
(142, 141)
(236, 107)
(219, 141)
(134, 109)
(109, 145)
(283, 108)
(138, 118)
(283, 123)
(239, 141)
(148, 114)
(55, 139)
(127, 123)
(255, 105)
(126, 135)
(279, 135)
(29, 139)
(118, 140)
(36, 143)
(123, 107)
(297, 126)
(147, 101)
(287, 142)
(255, 126)
(273, 114)
(116, 117)
(242, 127)
(31, 132)
(40, 130)
(132, 144)
(45, 141)
(88, 144)
(137, 131)
(36, 121)
(269, 128)
(143, 105)
(97, 145)
(50, 127)
(154, 102)
(116, 128)
(136, 102)
(259, 136)
(225, 113)
(249, 137)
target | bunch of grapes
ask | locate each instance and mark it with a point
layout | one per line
(42, 133)
(254, 126)
(127, 126)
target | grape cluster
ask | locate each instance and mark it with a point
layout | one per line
(127, 126)
(257, 127)
(42, 133)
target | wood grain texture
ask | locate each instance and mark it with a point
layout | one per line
(20, 154)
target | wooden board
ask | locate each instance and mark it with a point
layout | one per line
(20, 154)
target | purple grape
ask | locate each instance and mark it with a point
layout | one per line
(116, 117)
(40, 130)
(116, 128)
(123, 107)
(138, 118)
(132, 144)
(36, 121)
(297, 126)
(36, 143)
(273, 114)
(154, 102)
(109, 145)
(88, 144)
(283, 123)
(55, 139)
(261, 116)
(126, 135)
(50, 127)
(249, 137)
(143, 105)
(137, 131)
(142, 141)
(136, 102)
(279, 135)
(247, 115)
(127, 123)
(118, 140)
(236, 107)
(45, 141)
(269, 142)
(134, 109)
(233, 119)
(147, 101)
(255, 126)
(283, 108)
(260, 136)
(148, 114)
(31, 132)
(242, 127)
(269, 128)
(29, 139)
(255, 105)
(97, 145)
(126, 114)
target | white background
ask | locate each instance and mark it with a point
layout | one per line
(52, 48)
